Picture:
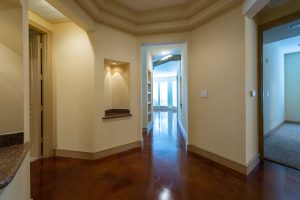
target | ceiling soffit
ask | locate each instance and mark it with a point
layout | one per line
(169, 19)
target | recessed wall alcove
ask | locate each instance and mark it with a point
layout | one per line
(116, 89)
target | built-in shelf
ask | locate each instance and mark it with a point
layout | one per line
(116, 113)
(149, 100)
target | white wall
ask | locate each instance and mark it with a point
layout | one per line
(273, 84)
(292, 85)
(217, 60)
(184, 101)
(73, 76)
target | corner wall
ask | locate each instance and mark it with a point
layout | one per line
(217, 64)
(113, 44)
(73, 76)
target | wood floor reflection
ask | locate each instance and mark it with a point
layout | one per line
(161, 170)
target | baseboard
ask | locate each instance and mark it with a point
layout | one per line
(226, 162)
(117, 150)
(292, 122)
(253, 163)
(269, 133)
(99, 154)
(183, 132)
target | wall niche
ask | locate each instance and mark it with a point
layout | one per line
(116, 89)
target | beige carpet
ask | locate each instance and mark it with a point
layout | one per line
(283, 146)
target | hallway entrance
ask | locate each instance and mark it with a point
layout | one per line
(164, 88)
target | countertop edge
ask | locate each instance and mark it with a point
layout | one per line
(13, 171)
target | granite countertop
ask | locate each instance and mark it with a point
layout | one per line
(11, 158)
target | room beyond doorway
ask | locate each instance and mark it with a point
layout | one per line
(280, 110)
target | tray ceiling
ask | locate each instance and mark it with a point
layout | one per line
(156, 16)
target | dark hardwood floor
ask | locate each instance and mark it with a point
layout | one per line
(161, 170)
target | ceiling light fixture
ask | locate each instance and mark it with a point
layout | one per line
(295, 26)
(166, 57)
(165, 52)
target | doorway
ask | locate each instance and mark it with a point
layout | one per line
(40, 94)
(280, 130)
(164, 82)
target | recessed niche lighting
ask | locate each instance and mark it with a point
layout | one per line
(295, 26)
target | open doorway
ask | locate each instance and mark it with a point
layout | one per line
(164, 88)
(40, 94)
(281, 96)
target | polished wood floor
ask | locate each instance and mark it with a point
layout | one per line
(161, 170)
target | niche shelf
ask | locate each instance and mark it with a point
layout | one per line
(116, 89)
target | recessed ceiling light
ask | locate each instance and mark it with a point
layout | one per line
(295, 26)
(165, 52)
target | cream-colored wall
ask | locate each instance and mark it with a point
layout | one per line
(217, 64)
(73, 79)
(251, 139)
(273, 83)
(292, 85)
(11, 88)
(116, 45)
(11, 71)
(11, 35)
(14, 63)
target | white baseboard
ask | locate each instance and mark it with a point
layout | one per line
(183, 131)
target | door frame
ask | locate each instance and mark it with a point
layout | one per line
(48, 135)
(260, 30)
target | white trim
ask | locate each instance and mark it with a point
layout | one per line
(184, 133)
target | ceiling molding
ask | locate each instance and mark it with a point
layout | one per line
(73, 12)
(163, 20)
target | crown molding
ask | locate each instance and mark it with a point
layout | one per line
(165, 20)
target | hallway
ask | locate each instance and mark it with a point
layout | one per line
(161, 170)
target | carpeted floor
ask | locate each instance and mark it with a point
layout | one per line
(283, 146)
